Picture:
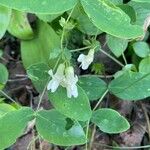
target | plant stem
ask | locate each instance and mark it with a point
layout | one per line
(63, 31)
(7, 96)
(113, 58)
(87, 132)
(80, 49)
(124, 58)
(100, 100)
(92, 137)
(122, 148)
(41, 97)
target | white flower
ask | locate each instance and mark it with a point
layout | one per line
(70, 82)
(56, 79)
(86, 60)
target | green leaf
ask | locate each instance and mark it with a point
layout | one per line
(38, 73)
(110, 121)
(5, 14)
(141, 13)
(131, 86)
(94, 87)
(116, 45)
(19, 26)
(129, 10)
(5, 108)
(75, 108)
(111, 19)
(51, 125)
(12, 126)
(47, 18)
(41, 7)
(117, 2)
(38, 50)
(141, 49)
(143, 1)
(3, 75)
(84, 24)
(144, 66)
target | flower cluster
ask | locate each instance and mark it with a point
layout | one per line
(86, 60)
(65, 76)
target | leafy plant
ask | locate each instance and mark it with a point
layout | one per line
(48, 53)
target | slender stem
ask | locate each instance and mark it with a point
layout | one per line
(100, 100)
(41, 97)
(92, 137)
(87, 132)
(63, 31)
(62, 38)
(100, 76)
(147, 119)
(122, 148)
(124, 58)
(80, 49)
(113, 58)
(31, 142)
(7, 96)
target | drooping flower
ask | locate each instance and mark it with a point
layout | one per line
(86, 60)
(57, 78)
(70, 82)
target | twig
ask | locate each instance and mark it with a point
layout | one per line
(113, 58)
(92, 137)
(7, 96)
(147, 119)
(100, 100)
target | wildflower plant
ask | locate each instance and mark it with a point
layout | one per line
(51, 59)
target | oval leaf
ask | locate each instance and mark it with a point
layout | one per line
(143, 1)
(41, 7)
(19, 26)
(144, 66)
(38, 73)
(116, 45)
(51, 125)
(84, 24)
(93, 87)
(75, 108)
(5, 108)
(12, 126)
(111, 19)
(131, 86)
(38, 49)
(47, 18)
(5, 14)
(141, 49)
(110, 121)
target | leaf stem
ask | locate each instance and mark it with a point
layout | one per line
(41, 97)
(63, 31)
(7, 96)
(87, 132)
(80, 49)
(113, 58)
(124, 58)
(100, 100)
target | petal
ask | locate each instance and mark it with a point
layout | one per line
(81, 57)
(69, 74)
(50, 72)
(69, 93)
(60, 71)
(53, 85)
(85, 65)
(75, 91)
